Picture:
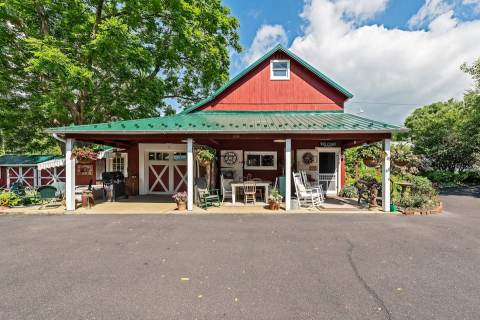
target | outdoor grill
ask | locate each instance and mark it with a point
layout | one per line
(114, 185)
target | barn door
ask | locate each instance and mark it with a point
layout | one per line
(167, 172)
(25, 175)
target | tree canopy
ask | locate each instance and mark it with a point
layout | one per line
(448, 133)
(83, 61)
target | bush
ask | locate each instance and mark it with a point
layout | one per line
(9, 199)
(446, 178)
(422, 194)
(348, 192)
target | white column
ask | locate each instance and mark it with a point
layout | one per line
(386, 177)
(69, 175)
(288, 174)
(189, 174)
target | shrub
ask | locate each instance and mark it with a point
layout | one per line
(422, 194)
(348, 192)
(446, 178)
(9, 199)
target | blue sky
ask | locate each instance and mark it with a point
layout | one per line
(393, 55)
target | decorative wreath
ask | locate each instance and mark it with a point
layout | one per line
(307, 158)
(230, 158)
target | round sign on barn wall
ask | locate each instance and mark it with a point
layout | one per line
(307, 158)
(230, 158)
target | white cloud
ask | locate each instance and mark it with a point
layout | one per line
(267, 37)
(405, 68)
(361, 9)
(429, 11)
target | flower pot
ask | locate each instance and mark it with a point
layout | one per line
(204, 163)
(273, 205)
(181, 206)
(400, 163)
(370, 162)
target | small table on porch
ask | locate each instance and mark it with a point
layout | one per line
(262, 184)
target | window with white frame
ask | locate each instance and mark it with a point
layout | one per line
(118, 163)
(261, 160)
(279, 69)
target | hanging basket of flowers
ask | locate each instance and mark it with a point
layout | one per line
(205, 155)
(371, 155)
(84, 154)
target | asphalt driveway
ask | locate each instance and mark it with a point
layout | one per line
(330, 266)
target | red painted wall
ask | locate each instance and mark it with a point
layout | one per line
(255, 91)
(3, 177)
(85, 179)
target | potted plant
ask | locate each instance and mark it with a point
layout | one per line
(205, 156)
(84, 154)
(371, 155)
(275, 199)
(181, 200)
(402, 155)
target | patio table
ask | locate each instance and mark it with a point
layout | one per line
(261, 184)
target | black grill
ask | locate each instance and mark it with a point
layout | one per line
(114, 185)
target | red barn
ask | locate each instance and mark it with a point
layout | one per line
(278, 115)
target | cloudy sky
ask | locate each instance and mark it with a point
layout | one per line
(393, 55)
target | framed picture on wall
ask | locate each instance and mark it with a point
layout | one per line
(84, 169)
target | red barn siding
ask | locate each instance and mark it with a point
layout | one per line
(255, 91)
(3, 177)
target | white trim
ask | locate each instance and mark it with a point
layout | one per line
(272, 76)
(260, 153)
(288, 174)
(386, 176)
(338, 164)
(69, 175)
(189, 174)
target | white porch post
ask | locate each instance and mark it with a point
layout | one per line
(190, 174)
(386, 177)
(69, 175)
(288, 174)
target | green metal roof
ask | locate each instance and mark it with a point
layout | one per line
(24, 160)
(238, 122)
(256, 63)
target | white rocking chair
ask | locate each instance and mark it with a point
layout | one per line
(226, 188)
(307, 197)
(312, 185)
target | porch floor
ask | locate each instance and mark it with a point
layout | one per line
(163, 205)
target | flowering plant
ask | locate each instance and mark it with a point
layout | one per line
(180, 196)
(84, 153)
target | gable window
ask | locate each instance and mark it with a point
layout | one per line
(279, 69)
(261, 160)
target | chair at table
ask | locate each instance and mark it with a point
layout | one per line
(306, 197)
(226, 188)
(260, 191)
(249, 191)
(206, 197)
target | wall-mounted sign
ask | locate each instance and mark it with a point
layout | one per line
(307, 158)
(230, 158)
(328, 144)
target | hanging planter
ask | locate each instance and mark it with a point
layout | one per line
(84, 154)
(371, 155)
(370, 162)
(205, 156)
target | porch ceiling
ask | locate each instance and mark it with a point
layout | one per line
(239, 123)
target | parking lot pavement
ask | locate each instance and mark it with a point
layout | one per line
(310, 266)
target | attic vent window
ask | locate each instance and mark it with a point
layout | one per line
(280, 70)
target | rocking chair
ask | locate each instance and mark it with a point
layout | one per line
(206, 197)
(307, 197)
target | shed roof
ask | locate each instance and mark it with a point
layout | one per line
(238, 122)
(24, 160)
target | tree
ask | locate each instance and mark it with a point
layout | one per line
(83, 61)
(438, 131)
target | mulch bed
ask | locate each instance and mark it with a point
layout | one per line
(422, 212)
